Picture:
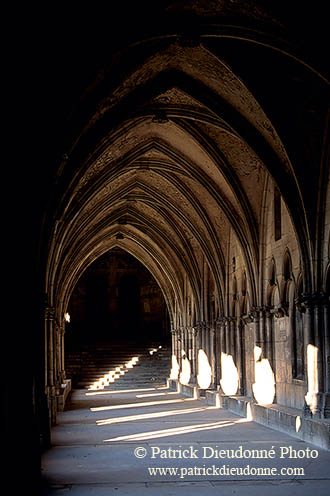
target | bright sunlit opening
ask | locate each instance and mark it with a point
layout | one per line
(264, 386)
(186, 370)
(312, 377)
(204, 376)
(175, 368)
(298, 423)
(229, 375)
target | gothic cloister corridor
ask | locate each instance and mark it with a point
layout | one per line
(168, 196)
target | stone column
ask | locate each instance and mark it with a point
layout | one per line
(256, 321)
(183, 342)
(192, 353)
(227, 335)
(315, 405)
(212, 352)
(239, 355)
(318, 339)
(326, 343)
(218, 348)
(257, 340)
(198, 343)
(326, 407)
(174, 343)
(222, 324)
(58, 357)
(51, 353)
(62, 354)
(262, 331)
(269, 338)
(178, 344)
(232, 336)
(202, 335)
(174, 335)
(308, 341)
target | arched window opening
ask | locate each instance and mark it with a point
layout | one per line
(272, 273)
(286, 293)
(287, 266)
(234, 288)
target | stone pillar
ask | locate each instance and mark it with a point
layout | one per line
(262, 331)
(227, 335)
(269, 338)
(174, 343)
(203, 336)
(257, 340)
(198, 343)
(256, 321)
(192, 353)
(326, 407)
(218, 347)
(222, 325)
(174, 335)
(239, 355)
(213, 352)
(178, 344)
(58, 357)
(317, 403)
(232, 336)
(183, 341)
(326, 343)
(51, 354)
(62, 354)
(307, 341)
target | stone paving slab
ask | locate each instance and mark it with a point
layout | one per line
(123, 443)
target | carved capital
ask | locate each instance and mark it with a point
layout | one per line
(255, 313)
(280, 311)
(221, 321)
(269, 311)
(247, 318)
(314, 299)
(194, 331)
(300, 305)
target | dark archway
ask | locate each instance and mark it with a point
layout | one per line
(129, 306)
(116, 299)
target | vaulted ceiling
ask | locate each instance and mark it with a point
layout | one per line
(165, 134)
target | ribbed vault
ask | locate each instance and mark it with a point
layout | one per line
(172, 155)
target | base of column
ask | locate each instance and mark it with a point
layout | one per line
(314, 405)
(326, 406)
(62, 394)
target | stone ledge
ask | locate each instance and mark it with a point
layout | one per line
(62, 396)
(278, 417)
(190, 390)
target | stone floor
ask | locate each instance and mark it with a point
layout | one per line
(153, 441)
